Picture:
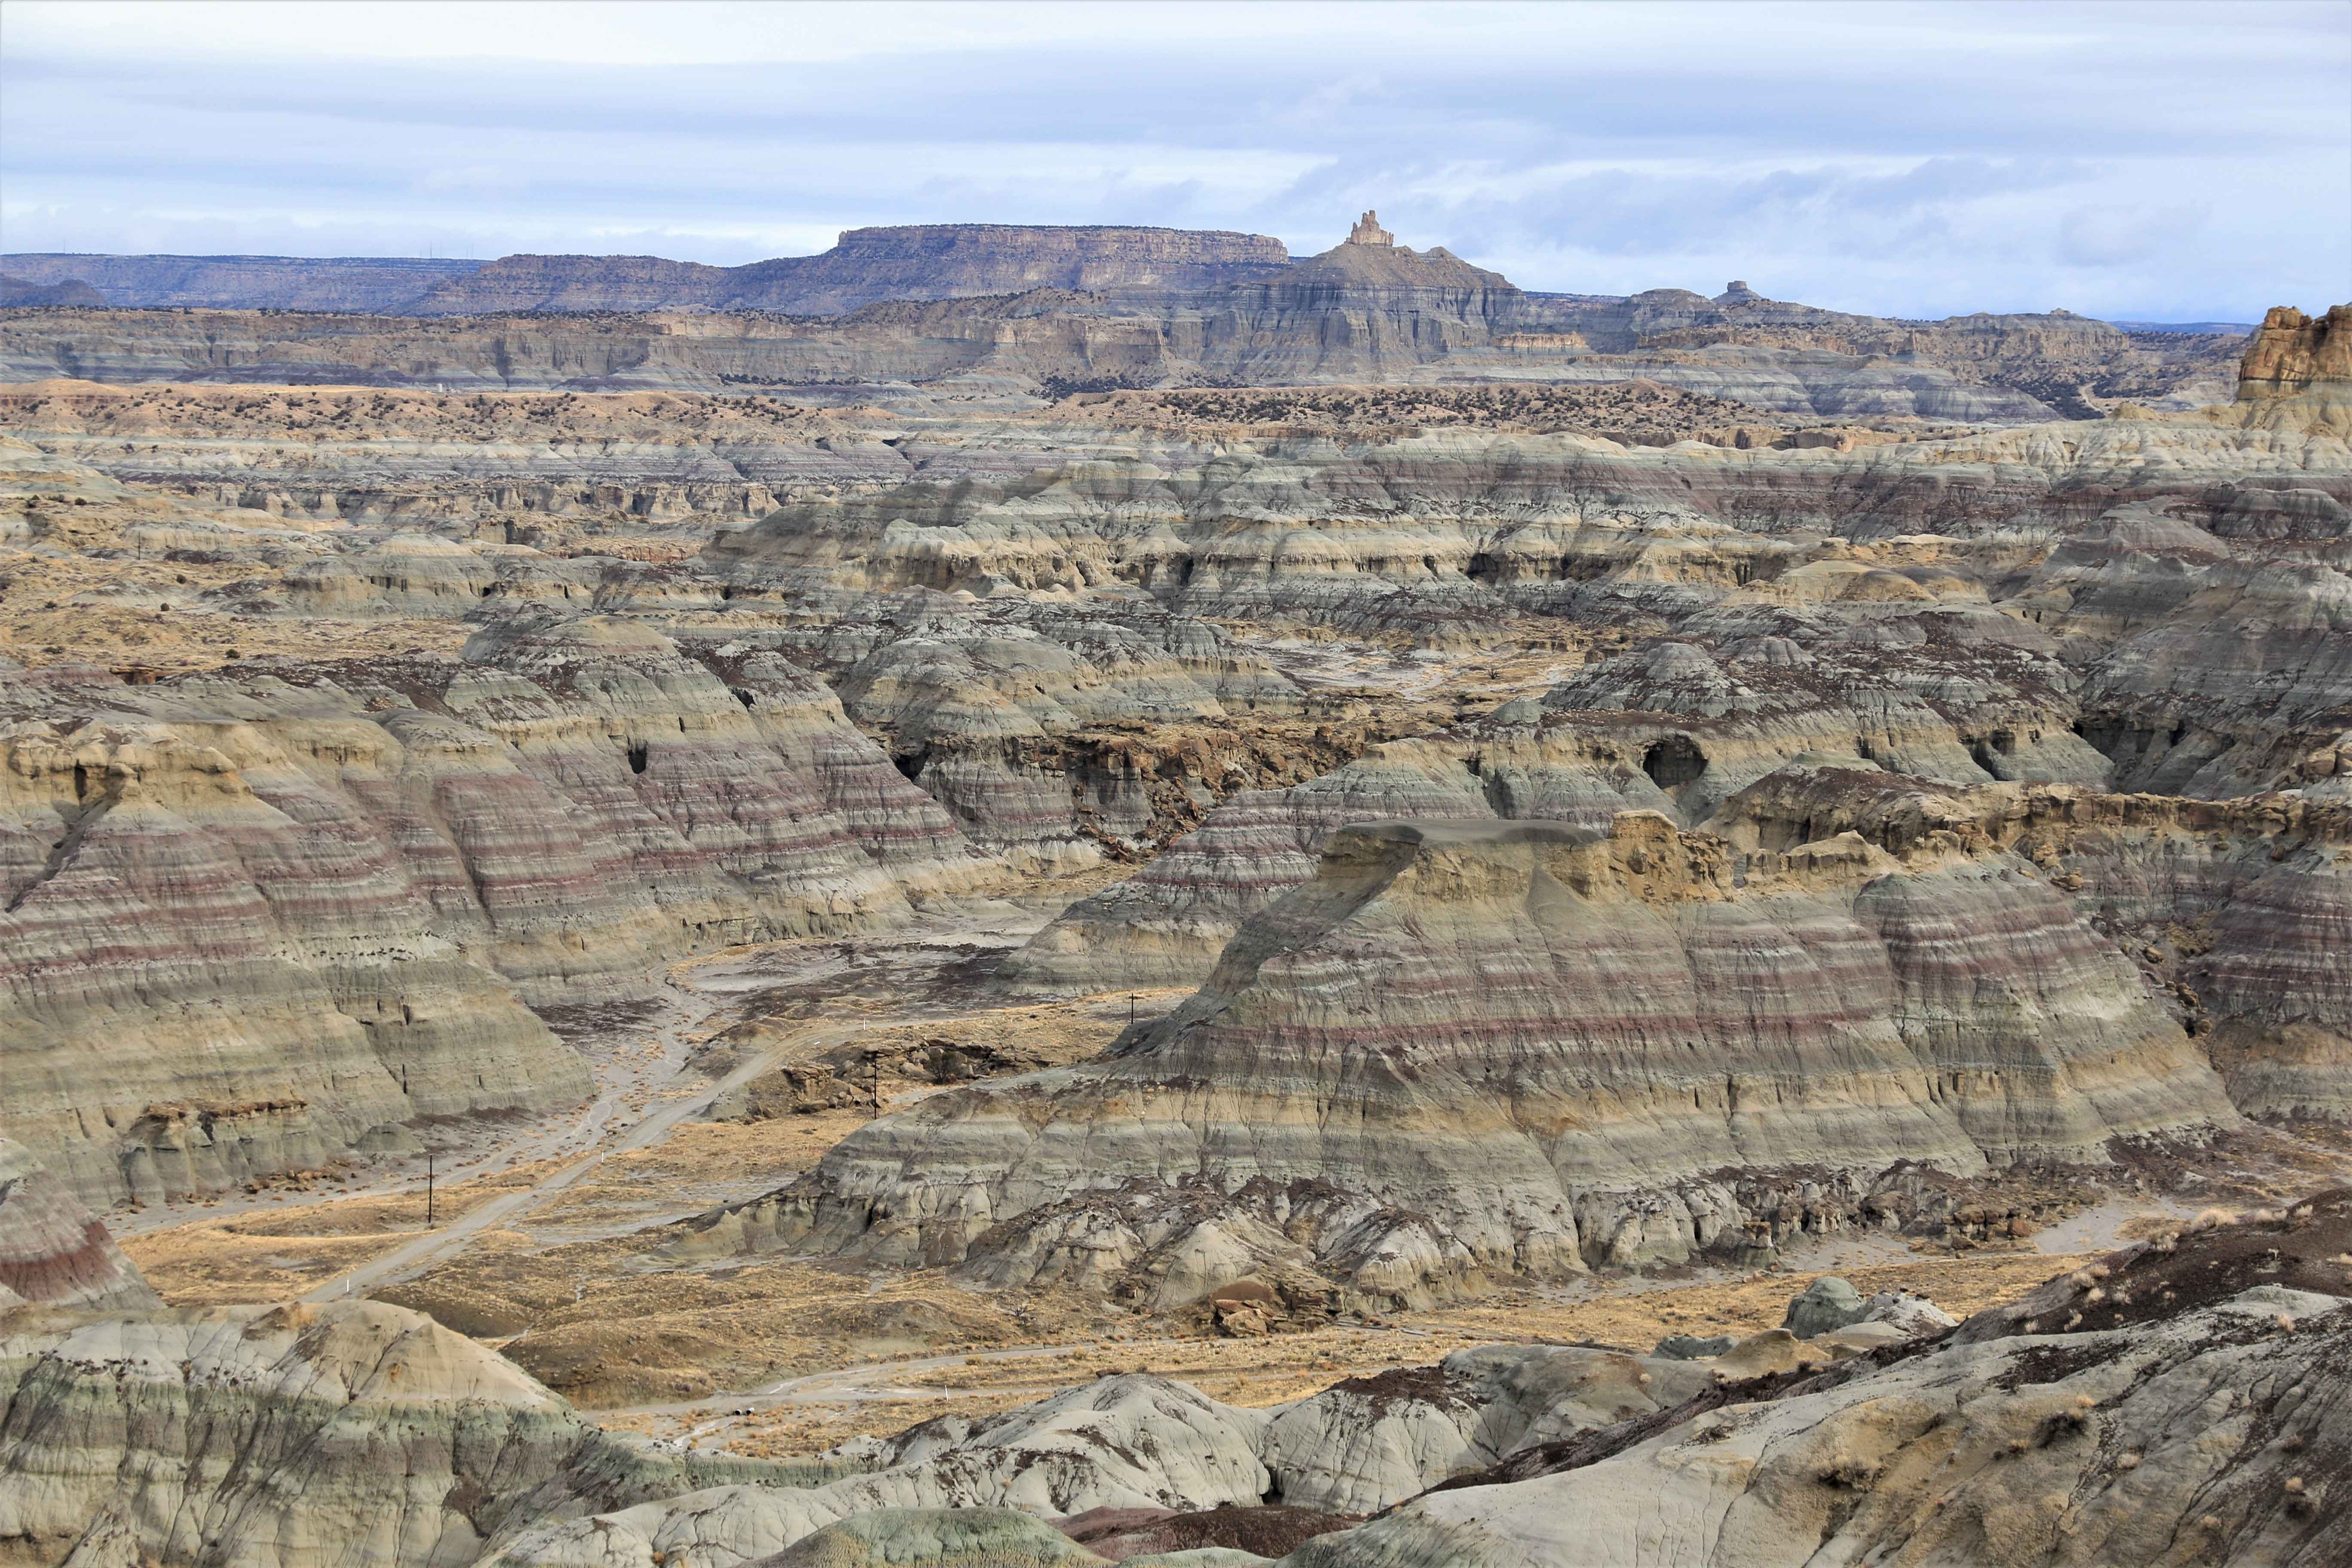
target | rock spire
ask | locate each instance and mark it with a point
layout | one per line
(1368, 231)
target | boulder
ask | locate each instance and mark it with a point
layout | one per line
(1827, 1303)
(1905, 1312)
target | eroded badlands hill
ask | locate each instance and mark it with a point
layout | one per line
(254, 913)
(2180, 1402)
(1468, 1051)
(553, 686)
(53, 1251)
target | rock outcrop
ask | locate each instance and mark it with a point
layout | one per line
(53, 1251)
(1078, 309)
(2292, 354)
(2183, 1401)
(2180, 1427)
(931, 261)
(266, 1437)
(1134, 1449)
(255, 912)
(927, 262)
(1471, 1050)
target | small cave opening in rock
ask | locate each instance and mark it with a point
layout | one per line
(637, 758)
(1674, 761)
(911, 763)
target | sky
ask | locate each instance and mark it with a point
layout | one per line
(2130, 159)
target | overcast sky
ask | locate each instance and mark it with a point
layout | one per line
(2141, 161)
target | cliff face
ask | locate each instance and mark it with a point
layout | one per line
(1359, 314)
(2297, 373)
(927, 261)
(2291, 352)
(940, 261)
(935, 261)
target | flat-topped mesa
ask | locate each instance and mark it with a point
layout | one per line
(920, 261)
(1472, 1048)
(916, 261)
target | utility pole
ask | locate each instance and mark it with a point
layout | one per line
(1130, 1008)
(428, 1189)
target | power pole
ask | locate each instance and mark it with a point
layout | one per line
(428, 1190)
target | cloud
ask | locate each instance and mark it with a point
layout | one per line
(2113, 236)
(1910, 158)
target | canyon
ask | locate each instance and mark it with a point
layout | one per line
(1072, 896)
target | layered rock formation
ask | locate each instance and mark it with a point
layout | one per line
(1679, 725)
(2297, 373)
(925, 261)
(2182, 1401)
(276, 1437)
(2197, 1440)
(1021, 612)
(1047, 729)
(2237, 906)
(1448, 535)
(1155, 308)
(53, 1251)
(1470, 1050)
(2291, 352)
(254, 913)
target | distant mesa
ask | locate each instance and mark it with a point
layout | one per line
(922, 261)
(20, 291)
(1368, 231)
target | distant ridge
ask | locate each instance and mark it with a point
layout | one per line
(926, 261)
(243, 282)
(2190, 327)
